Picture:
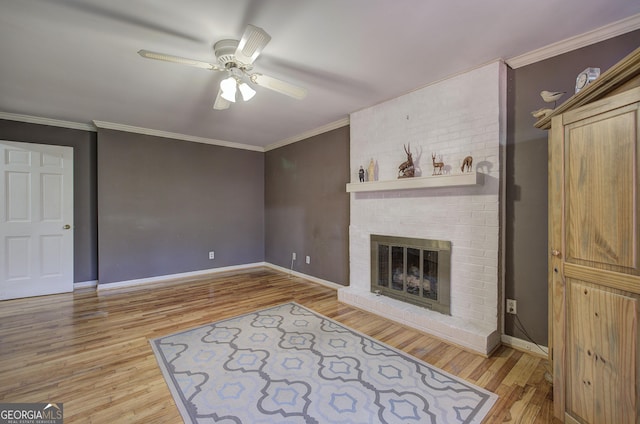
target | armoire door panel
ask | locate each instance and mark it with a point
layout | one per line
(602, 343)
(601, 192)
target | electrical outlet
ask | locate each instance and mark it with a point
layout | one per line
(308, 259)
(212, 255)
(512, 306)
(293, 256)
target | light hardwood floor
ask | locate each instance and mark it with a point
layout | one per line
(91, 351)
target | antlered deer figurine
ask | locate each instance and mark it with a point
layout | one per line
(468, 161)
(406, 169)
(437, 165)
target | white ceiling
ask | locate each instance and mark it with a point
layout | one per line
(76, 60)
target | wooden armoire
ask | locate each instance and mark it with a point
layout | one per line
(594, 265)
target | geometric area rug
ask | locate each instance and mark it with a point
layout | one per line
(288, 364)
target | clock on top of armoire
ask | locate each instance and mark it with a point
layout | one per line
(594, 265)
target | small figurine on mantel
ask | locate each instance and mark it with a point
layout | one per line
(406, 168)
(437, 165)
(468, 161)
(371, 174)
(361, 174)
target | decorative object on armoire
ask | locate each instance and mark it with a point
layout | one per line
(406, 168)
(594, 259)
(361, 174)
(437, 165)
(466, 162)
(371, 172)
(541, 113)
(551, 96)
(585, 77)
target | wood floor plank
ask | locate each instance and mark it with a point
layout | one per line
(91, 350)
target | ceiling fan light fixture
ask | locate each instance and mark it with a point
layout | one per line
(236, 58)
(246, 91)
(228, 87)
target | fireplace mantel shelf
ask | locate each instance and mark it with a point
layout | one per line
(451, 180)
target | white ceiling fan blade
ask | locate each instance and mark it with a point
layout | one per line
(279, 86)
(251, 44)
(177, 59)
(220, 103)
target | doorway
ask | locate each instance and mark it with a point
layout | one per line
(36, 220)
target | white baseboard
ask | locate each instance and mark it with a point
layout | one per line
(202, 273)
(85, 284)
(525, 346)
(172, 277)
(326, 283)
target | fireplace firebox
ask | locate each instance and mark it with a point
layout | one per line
(412, 270)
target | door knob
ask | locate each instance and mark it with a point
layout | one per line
(66, 227)
(556, 252)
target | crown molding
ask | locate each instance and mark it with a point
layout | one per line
(46, 121)
(165, 134)
(176, 136)
(308, 134)
(606, 32)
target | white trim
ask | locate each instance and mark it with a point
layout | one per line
(606, 32)
(308, 134)
(525, 345)
(85, 284)
(174, 277)
(176, 136)
(205, 272)
(502, 197)
(158, 133)
(46, 121)
(311, 278)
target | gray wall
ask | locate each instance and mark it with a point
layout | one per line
(85, 235)
(164, 204)
(307, 206)
(526, 175)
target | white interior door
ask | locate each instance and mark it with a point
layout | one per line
(36, 219)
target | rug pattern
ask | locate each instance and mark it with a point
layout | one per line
(288, 364)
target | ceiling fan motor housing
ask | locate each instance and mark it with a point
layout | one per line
(225, 53)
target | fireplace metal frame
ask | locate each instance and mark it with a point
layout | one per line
(443, 302)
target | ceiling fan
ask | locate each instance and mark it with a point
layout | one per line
(236, 59)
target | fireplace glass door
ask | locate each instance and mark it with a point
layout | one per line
(412, 271)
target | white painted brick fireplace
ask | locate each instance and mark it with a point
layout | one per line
(460, 116)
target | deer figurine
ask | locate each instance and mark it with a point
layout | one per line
(406, 168)
(468, 161)
(437, 165)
